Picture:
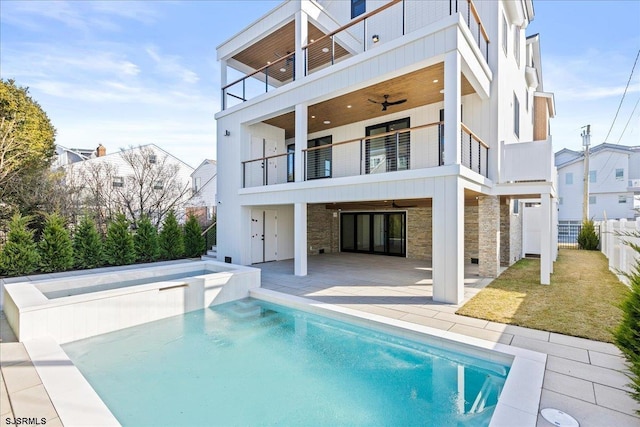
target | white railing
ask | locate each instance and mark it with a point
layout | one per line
(622, 257)
(527, 161)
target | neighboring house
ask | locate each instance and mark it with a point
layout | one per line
(404, 128)
(143, 180)
(203, 189)
(65, 156)
(614, 180)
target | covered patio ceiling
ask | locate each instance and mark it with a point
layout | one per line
(470, 199)
(421, 87)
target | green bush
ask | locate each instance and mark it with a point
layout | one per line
(118, 246)
(627, 334)
(170, 239)
(146, 241)
(193, 239)
(19, 255)
(587, 238)
(87, 245)
(55, 247)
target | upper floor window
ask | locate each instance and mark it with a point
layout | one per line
(505, 32)
(592, 200)
(619, 174)
(319, 160)
(152, 159)
(516, 116)
(516, 44)
(358, 7)
(118, 181)
(568, 178)
(622, 199)
(197, 182)
(158, 185)
(593, 176)
(560, 200)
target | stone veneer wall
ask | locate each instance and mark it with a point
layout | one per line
(419, 227)
(322, 229)
(505, 234)
(471, 227)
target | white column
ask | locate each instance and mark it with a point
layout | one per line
(448, 240)
(300, 140)
(545, 240)
(302, 39)
(300, 239)
(452, 102)
(223, 80)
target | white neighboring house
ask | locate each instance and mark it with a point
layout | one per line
(65, 156)
(204, 183)
(127, 178)
(614, 180)
(405, 128)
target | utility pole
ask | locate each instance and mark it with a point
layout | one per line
(586, 141)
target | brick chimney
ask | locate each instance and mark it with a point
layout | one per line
(101, 151)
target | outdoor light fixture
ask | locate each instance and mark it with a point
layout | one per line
(227, 133)
(325, 49)
(282, 70)
(375, 38)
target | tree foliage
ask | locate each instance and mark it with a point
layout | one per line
(194, 244)
(171, 241)
(118, 246)
(55, 247)
(87, 245)
(19, 255)
(146, 241)
(587, 238)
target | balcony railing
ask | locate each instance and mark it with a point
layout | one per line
(412, 148)
(474, 153)
(527, 161)
(390, 21)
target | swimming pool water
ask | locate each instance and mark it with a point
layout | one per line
(255, 363)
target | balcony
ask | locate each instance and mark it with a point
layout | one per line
(527, 162)
(272, 61)
(417, 147)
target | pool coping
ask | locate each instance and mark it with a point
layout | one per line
(520, 397)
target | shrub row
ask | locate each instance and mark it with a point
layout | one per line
(59, 250)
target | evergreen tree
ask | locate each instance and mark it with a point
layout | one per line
(55, 247)
(87, 245)
(118, 246)
(194, 244)
(587, 238)
(170, 240)
(19, 255)
(146, 241)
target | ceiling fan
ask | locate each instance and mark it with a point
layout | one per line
(386, 103)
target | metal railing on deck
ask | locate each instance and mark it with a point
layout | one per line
(269, 170)
(474, 153)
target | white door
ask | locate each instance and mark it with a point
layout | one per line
(264, 235)
(270, 149)
(257, 236)
(254, 171)
(531, 229)
(270, 235)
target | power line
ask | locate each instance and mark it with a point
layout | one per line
(623, 95)
(628, 121)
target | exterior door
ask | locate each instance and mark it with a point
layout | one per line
(257, 236)
(531, 230)
(264, 236)
(381, 233)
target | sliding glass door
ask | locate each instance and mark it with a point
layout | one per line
(374, 232)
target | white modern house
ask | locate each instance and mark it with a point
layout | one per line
(398, 128)
(204, 185)
(614, 181)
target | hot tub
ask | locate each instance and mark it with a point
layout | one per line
(78, 305)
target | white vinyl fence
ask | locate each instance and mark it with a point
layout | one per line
(622, 258)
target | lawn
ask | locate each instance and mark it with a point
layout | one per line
(582, 300)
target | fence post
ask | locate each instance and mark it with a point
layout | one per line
(622, 260)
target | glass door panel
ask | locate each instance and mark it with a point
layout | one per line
(348, 232)
(379, 233)
(363, 234)
(396, 233)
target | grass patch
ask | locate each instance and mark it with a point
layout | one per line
(583, 299)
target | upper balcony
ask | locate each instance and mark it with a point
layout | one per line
(291, 48)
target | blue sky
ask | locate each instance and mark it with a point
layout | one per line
(126, 73)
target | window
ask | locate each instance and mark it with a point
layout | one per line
(291, 164)
(560, 200)
(118, 181)
(358, 7)
(619, 174)
(516, 44)
(158, 185)
(526, 97)
(592, 200)
(593, 176)
(516, 116)
(152, 159)
(388, 153)
(505, 32)
(319, 160)
(197, 182)
(622, 199)
(568, 178)
(516, 206)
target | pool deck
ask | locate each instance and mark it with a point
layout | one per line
(582, 378)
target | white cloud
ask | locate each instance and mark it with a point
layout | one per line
(169, 65)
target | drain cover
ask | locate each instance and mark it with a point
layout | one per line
(559, 418)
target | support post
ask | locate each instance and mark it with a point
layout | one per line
(302, 39)
(545, 240)
(452, 113)
(223, 82)
(300, 141)
(300, 239)
(489, 236)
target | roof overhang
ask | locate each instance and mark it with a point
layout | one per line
(551, 102)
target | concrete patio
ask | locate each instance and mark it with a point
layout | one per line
(583, 378)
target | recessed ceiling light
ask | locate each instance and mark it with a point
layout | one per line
(435, 80)
(348, 106)
(312, 40)
(441, 90)
(268, 62)
(313, 117)
(325, 49)
(282, 70)
(327, 122)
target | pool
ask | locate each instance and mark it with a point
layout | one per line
(253, 362)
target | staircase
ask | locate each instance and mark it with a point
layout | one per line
(212, 254)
